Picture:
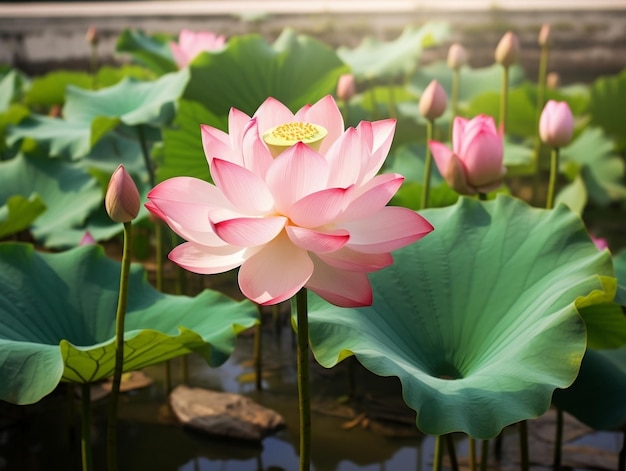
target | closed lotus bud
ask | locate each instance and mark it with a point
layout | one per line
(507, 50)
(122, 197)
(457, 56)
(556, 124)
(92, 36)
(433, 101)
(346, 87)
(544, 35)
(87, 239)
(553, 80)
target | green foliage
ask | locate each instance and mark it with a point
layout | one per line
(18, 213)
(152, 51)
(479, 320)
(57, 321)
(606, 107)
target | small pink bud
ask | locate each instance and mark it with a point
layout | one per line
(433, 101)
(122, 197)
(507, 50)
(556, 124)
(346, 87)
(457, 56)
(87, 239)
(92, 36)
(600, 242)
(553, 80)
(544, 35)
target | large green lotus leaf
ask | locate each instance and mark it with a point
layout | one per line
(296, 69)
(479, 320)
(152, 51)
(472, 82)
(182, 152)
(10, 85)
(592, 154)
(606, 325)
(15, 113)
(608, 94)
(375, 59)
(57, 321)
(619, 262)
(574, 195)
(18, 213)
(69, 192)
(597, 396)
(132, 101)
(49, 89)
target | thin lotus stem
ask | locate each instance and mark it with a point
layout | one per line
(541, 97)
(119, 347)
(482, 196)
(523, 446)
(497, 447)
(276, 322)
(258, 351)
(484, 455)
(454, 98)
(438, 454)
(472, 453)
(504, 97)
(454, 463)
(554, 170)
(427, 165)
(158, 236)
(146, 155)
(93, 66)
(303, 380)
(85, 432)
(558, 440)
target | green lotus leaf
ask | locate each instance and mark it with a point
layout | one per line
(57, 321)
(107, 76)
(597, 396)
(49, 89)
(10, 85)
(479, 320)
(473, 82)
(18, 213)
(374, 59)
(606, 325)
(602, 170)
(608, 94)
(296, 69)
(132, 101)
(15, 113)
(152, 51)
(619, 262)
(182, 152)
(574, 195)
(69, 193)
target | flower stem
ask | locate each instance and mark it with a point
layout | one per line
(454, 98)
(438, 454)
(427, 166)
(541, 98)
(85, 437)
(472, 454)
(504, 97)
(454, 464)
(119, 347)
(554, 170)
(523, 445)
(484, 455)
(558, 440)
(303, 380)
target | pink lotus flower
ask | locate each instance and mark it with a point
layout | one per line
(297, 202)
(556, 124)
(190, 44)
(474, 164)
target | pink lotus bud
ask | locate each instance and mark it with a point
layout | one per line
(190, 44)
(553, 80)
(91, 36)
(433, 101)
(457, 56)
(600, 242)
(544, 35)
(346, 87)
(474, 164)
(507, 50)
(556, 124)
(122, 197)
(87, 239)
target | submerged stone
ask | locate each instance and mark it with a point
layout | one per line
(223, 414)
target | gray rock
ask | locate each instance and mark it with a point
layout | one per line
(223, 414)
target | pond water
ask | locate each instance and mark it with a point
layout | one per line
(38, 437)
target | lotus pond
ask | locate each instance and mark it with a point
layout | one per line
(416, 264)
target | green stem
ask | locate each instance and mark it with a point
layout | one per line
(472, 454)
(85, 436)
(258, 351)
(438, 454)
(484, 455)
(454, 463)
(558, 440)
(119, 347)
(454, 98)
(93, 65)
(541, 98)
(146, 155)
(303, 380)
(427, 165)
(158, 235)
(554, 170)
(504, 97)
(523, 445)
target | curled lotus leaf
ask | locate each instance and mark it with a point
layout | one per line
(57, 321)
(479, 320)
